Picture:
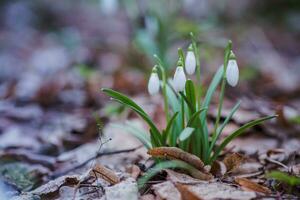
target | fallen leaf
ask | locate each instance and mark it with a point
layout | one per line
(147, 197)
(105, 173)
(214, 190)
(166, 191)
(177, 154)
(124, 190)
(176, 177)
(186, 193)
(134, 171)
(233, 161)
(250, 185)
(51, 189)
(218, 169)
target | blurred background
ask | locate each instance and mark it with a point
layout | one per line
(56, 55)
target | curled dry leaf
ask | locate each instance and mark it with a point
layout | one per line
(218, 169)
(250, 185)
(174, 153)
(233, 161)
(105, 173)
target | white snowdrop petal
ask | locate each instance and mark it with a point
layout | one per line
(190, 63)
(179, 79)
(232, 73)
(153, 84)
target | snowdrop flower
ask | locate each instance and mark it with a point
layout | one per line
(153, 84)
(190, 61)
(232, 71)
(179, 79)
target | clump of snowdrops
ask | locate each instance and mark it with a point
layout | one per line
(186, 106)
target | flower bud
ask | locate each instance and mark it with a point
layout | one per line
(232, 71)
(179, 79)
(153, 84)
(190, 61)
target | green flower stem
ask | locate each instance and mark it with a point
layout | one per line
(164, 91)
(182, 113)
(223, 84)
(198, 77)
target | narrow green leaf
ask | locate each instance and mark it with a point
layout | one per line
(136, 132)
(220, 129)
(123, 99)
(195, 116)
(237, 133)
(164, 165)
(170, 124)
(189, 105)
(284, 177)
(190, 94)
(211, 89)
(186, 133)
(175, 107)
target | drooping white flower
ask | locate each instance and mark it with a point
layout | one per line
(179, 79)
(153, 84)
(190, 62)
(232, 73)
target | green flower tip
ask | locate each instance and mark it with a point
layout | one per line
(154, 69)
(232, 56)
(190, 48)
(180, 62)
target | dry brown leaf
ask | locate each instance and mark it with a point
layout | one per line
(233, 161)
(105, 173)
(147, 197)
(218, 168)
(213, 190)
(177, 154)
(174, 153)
(186, 193)
(250, 185)
(134, 171)
(176, 177)
(166, 191)
(51, 189)
(126, 189)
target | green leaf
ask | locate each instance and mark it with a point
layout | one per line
(161, 166)
(211, 89)
(220, 129)
(191, 108)
(158, 60)
(195, 116)
(175, 106)
(168, 130)
(137, 132)
(284, 177)
(123, 99)
(190, 94)
(237, 133)
(186, 133)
